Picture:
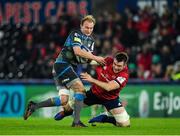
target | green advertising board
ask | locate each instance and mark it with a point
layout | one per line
(139, 100)
(152, 100)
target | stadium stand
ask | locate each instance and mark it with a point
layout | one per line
(151, 40)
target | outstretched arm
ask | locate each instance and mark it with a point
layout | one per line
(108, 86)
(88, 55)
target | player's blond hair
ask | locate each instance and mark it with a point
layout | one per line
(89, 18)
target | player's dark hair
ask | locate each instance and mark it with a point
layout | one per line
(122, 56)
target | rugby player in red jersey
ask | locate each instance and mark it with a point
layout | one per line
(105, 90)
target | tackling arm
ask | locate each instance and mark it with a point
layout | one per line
(88, 55)
(108, 86)
(84, 54)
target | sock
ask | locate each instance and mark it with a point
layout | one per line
(109, 119)
(49, 103)
(77, 106)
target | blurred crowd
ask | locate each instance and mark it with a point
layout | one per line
(151, 40)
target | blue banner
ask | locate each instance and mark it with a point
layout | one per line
(12, 101)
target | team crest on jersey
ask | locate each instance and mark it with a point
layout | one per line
(76, 34)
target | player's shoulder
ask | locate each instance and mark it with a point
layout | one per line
(109, 60)
(76, 33)
(124, 72)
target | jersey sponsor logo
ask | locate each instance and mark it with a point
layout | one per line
(121, 79)
(76, 39)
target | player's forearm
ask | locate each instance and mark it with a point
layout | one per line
(101, 84)
(84, 54)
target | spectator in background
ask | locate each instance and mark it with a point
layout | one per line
(176, 72)
(132, 70)
(106, 48)
(166, 57)
(132, 29)
(175, 46)
(117, 45)
(144, 60)
(168, 72)
(156, 67)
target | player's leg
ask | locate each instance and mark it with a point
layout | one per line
(94, 109)
(118, 117)
(121, 117)
(62, 99)
(70, 79)
(79, 96)
(68, 109)
(50, 102)
(58, 69)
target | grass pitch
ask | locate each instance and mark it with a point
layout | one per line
(41, 126)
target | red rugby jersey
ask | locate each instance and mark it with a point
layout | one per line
(106, 74)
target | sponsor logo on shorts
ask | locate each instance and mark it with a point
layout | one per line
(119, 104)
(65, 80)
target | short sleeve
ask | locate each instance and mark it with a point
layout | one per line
(122, 79)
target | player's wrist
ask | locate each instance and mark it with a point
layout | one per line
(92, 80)
(94, 57)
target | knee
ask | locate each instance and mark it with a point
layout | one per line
(64, 99)
(123, 124)
(122, 119)
(64, 96)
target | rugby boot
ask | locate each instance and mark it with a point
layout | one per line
(60, 115)
(103, 118)
(99, 119)
(29, 110)
(79, 124)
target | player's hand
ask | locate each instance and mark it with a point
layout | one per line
(100, 60)
(86, 77)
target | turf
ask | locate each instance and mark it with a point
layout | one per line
(41, 126)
